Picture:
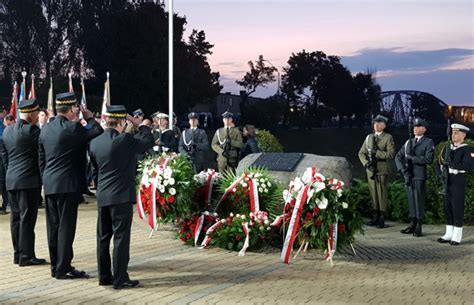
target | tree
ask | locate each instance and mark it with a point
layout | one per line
(259, 76)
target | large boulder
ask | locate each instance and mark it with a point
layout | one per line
(332, 167)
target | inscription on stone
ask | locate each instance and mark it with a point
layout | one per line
(282, 162)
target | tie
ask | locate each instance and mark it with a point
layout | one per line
(416, 140)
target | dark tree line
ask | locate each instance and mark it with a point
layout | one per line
(92, 37)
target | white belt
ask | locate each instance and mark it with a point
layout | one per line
(456, 171)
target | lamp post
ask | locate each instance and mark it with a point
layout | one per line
(278, 76)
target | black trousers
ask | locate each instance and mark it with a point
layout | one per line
(61, 219)
(24, 211)
(416, 193)
(454, 200)
(116, 221)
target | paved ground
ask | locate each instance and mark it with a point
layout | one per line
(389, 269)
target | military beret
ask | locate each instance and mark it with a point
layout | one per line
(27, 106)
(116, 111)
(66, 99)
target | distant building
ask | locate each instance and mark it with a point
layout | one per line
(225, 102)
(146, 1)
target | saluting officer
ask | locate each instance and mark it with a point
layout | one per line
(412, 160)
(194, 143)
(23, 181)
(61, 142)
(375, 155)
(113, 155)
(460, 161)
(227, 142)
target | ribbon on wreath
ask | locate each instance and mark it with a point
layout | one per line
(229, 190)
(245, 228)
(294, 222)
(200, 225)
(208, 187)
(332, 241)
(254, 201)
(209, 231)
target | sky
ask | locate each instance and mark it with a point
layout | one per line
(425, 45)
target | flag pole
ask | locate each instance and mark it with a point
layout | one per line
(170, 63)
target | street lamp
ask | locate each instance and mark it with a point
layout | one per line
(278, 75)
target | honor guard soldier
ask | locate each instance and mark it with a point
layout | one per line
(459, 161)
(165, 140)
(23, 181)
(61, 142)
(375, 155)
(227, 143)
(194, 143)
(412, 160)
(113, 155)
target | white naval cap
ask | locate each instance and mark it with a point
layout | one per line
(459, 127)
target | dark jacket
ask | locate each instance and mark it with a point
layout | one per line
(250, 147)
(61, 145)
(195, 144)
(422, 153)
(20, 153)
(113, 156)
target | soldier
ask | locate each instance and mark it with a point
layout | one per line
(165, 140)
(412, 160)
(23, 181)
(194, 143)
(459, 162)
(375, 155)
(61, 142)
(113, 155)
(227, 143)
(176, 129)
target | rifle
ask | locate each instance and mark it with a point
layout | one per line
(372, 160)
(408, 171)
(444, 160)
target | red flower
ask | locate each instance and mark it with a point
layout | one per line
(238, 237)
(342, 228)
(188, 235)
(316, 211)
(162, 201)
(308, 216)
(157, 195)
(171, 199)
(317, 223)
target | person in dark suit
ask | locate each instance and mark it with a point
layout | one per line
(6, 121)
(194, 143)
(23, 181)
(412, 160)
(61, 142)
(113, 155)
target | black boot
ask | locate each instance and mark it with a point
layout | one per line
(375, 219)
(411, 228)
(417, 232)
(381, 223)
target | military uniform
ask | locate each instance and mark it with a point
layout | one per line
(23, 182)
(165, 139)
(113, 155)
(195, 144)
(227, 142)
(412, 160)
(460, 162)
(380, 148)
(61, 142)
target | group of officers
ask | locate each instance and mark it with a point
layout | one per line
(54, 158)
(376, 154)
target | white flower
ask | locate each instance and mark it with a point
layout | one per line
(339, 192)
(244, 184)
(172, 191)
(165, 183)
(234, 190)
(322, 203)
(267, 222)
(345, 205)
(265, 190)
(242, 216)
(215, 214)
(237, 215)
(262, 180)
(206, 213)
(222, 220)
(319, 186)
(251, 214)
(171, 181)
(246, 179)
(260, 190)
(168, 172)
(268, 228)
(269, 184)
(261, 228)
(161, 188)
(231, 214)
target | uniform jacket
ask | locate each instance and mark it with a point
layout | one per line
(220, 138)
(113, 156)
(385, 152)
(62, 144)
(20, 152)
(422, 151)
(198, 137)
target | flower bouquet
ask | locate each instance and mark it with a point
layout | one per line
(192, 230)
(316, 215)
(165, 188)
(207, 189)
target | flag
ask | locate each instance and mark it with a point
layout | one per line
(71, 89)
(22, 93)
(106, 100)
(83, 98)
(32, 89)
(50, 98)
(13, 105)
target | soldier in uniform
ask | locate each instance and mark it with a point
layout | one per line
(165, 139)
(375, 155)
(176, 129)
(412, 160)
(459, 162)
(194, 143)
(23, 181)
(61, 142)
(227, 143)
(113, 155)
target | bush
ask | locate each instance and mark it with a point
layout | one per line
(267, 142)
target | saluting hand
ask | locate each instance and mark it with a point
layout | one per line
(135, 121)
(86, 113)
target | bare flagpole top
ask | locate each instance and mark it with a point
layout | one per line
(108, 75)
(23, 74)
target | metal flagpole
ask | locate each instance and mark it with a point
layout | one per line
(170, 63)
